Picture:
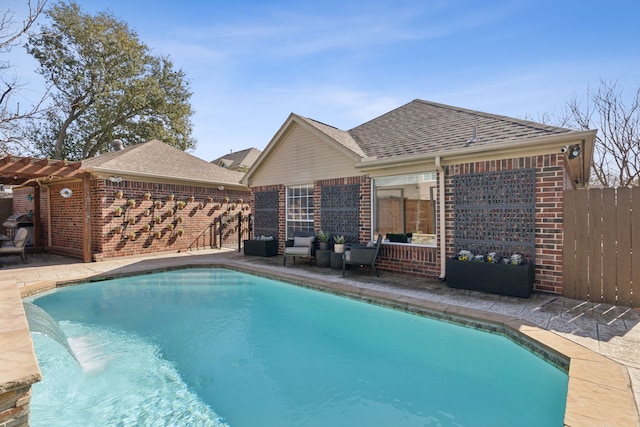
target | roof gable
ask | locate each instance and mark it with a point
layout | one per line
(238, 159)
(155, 158)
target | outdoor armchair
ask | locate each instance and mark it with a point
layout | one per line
(302, 245)
(16, 247)
(362, 256)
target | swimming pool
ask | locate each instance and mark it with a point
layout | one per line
(211, 346)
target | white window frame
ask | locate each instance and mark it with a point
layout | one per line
(299, 208)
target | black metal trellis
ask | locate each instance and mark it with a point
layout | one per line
(495, 212)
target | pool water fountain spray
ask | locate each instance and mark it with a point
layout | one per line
(40, 322)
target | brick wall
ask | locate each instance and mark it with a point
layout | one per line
(551, 178)
(21, 202)
(421, 261)
(136, 232)
(66, 219)
(111, 236)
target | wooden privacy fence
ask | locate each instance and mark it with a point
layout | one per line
(601, 230)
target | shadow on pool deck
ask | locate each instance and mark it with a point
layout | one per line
(612, 331)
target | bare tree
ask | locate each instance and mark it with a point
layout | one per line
(11, 114)
(616, 160)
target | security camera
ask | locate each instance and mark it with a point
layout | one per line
(564, 149)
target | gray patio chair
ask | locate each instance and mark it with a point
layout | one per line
(362, 255)
(302, 245)
(16, 247)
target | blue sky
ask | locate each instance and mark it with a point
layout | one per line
(251, 63)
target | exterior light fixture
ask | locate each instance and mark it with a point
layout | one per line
(574, 151)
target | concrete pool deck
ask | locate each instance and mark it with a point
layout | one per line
(602, 341)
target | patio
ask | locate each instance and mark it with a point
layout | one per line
(611, 331)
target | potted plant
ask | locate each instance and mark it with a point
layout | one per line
(157, 234)
(338, 246)
(132, 220)
(180, 232)
(179, 219)
(226, 199)
(232, 206)
(217, 206)
(209, 199)
(170, 211)
(131, 203)
(117, 211)
(181, 204)
(132, 236)
(192, 199)
(200, 205)
(170, 226)
(157, 219)
(118, 229)
(323, 240)
(170, 197)
(158, 203)
(119, 194)
(146, 212)
(146, 227)
(147, 196)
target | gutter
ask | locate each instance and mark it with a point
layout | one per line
(156, 178)
(443, 249)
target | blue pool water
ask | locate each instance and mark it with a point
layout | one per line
(216, 347)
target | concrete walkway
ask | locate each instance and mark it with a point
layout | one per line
(611, 331)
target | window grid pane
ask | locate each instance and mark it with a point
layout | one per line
(299, 208)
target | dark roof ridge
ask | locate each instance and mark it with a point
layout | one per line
(322, 123)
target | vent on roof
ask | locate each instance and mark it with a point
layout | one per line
(474, 137)
(117, 145)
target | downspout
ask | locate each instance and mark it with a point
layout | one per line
(443, 249)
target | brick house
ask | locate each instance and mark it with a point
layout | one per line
(145, 198)
(434, 179)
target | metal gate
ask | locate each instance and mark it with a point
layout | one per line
(226, 231)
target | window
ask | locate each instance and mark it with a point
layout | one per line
(405, 204)
(299, 208)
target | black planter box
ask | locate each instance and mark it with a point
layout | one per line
(336, 261)
(323, 258)
(502, 279)
(261, 247)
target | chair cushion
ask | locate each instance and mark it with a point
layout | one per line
(10, 250)
(303, 241)
(298, 250)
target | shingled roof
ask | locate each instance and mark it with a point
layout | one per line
(422, 127)
(238, 159)
(157, 159)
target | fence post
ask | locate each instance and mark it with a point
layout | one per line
(239, 231)
(220, 229)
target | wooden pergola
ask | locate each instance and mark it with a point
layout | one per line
(15, 170)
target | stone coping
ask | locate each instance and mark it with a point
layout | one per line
(18, 363)
(599, 390)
